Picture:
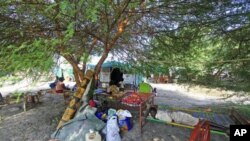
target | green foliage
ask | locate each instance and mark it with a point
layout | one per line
(32, 32)
(9, 79)
(226, 108)
(207, 57)
(29, 56)
(91, 14)
(244, 110)
(17, 96)
(195, 35)
(70, 31)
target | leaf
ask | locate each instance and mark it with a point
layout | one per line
(70, 30)
(64, 5)
(133, 5)
(92, 14)
(51, 6)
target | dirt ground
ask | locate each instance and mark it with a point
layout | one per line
(187, 96)
(38, 123)
(164, 133)
(34, 125)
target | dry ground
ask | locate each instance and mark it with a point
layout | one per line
(39, 123)
(34, 125)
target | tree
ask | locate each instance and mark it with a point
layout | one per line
(36, 30)
(219, 42)
(33, 31)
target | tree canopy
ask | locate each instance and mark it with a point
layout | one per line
(142, 32)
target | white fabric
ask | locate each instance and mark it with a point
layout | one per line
(163, 115)
(184, 118)
(122, 114)
(69, 84)
(113, 130)
(177, 117)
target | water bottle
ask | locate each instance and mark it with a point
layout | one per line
(93, 136)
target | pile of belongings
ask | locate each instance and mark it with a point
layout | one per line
(86, 123)
(77, 128)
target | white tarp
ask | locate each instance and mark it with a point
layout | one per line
(128, 78)
(105, 77)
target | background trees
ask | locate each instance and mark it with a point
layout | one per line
(209, 48)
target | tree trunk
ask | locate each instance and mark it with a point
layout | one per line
(78, 73)
(83, 80)
(77, 78)
(100, 62)
(75, 102)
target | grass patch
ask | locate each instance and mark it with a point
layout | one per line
(17, 96)
(244, 110)
(222, 84)
(226, 108)
(223, 109)
(9, 79)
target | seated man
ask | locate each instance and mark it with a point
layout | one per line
(60, 87)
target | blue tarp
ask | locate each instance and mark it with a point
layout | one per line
(108, 64)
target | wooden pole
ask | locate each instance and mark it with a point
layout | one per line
(75, 101)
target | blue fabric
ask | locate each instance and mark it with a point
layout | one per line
(52, 85)
(126, 123)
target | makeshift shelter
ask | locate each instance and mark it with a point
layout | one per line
(130, 78)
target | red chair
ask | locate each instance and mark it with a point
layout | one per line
(201, 132)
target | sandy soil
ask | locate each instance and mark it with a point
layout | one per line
(174, 95)
(38, 123)
(34, 125)
(26, 85)
(192, 96)
(164, 133)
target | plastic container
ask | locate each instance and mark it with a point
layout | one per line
(125, 124)
(93, 136)
(111, 112)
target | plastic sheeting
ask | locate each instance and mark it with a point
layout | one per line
(113, 130)
(75, 129)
